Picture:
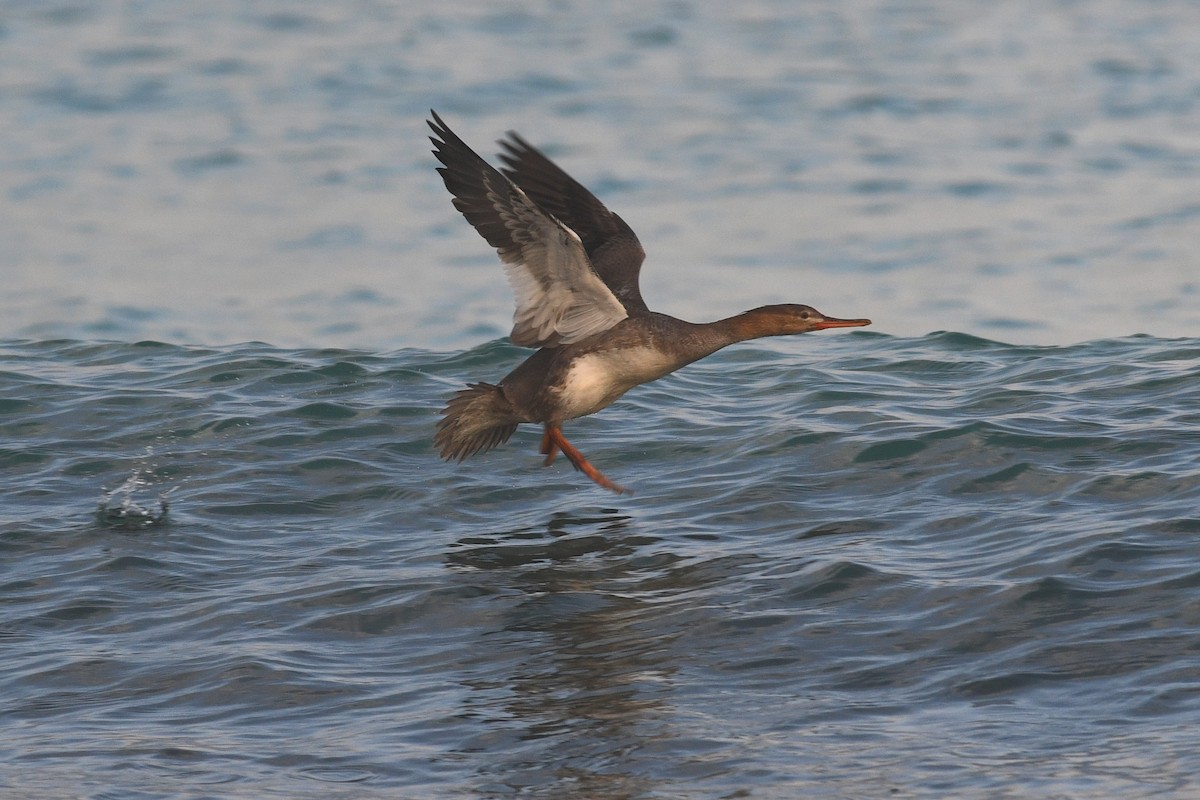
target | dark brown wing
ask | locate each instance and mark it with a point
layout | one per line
(613, 247)
(560, 297)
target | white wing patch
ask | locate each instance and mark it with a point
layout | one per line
(560, 298)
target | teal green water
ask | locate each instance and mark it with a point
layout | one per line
(854, 566)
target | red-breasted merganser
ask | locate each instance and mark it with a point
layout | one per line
(573, 266)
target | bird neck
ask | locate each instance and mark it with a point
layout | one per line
(706, 338)
(753, 324)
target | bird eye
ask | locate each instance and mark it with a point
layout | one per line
(805, 314)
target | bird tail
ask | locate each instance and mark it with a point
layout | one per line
(475, 420)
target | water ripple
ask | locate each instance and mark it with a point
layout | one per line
(882, 535)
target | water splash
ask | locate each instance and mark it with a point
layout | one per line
(119, 509)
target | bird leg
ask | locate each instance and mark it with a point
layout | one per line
(549, 449)
(553, 438)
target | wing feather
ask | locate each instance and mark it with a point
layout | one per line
(610, 243)
(559, 296)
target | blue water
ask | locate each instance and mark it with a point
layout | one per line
(854, 566)
(951, 555)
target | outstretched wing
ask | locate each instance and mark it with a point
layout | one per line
(560, 297)
(610, 243)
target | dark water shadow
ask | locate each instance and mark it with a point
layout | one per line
(580, 676)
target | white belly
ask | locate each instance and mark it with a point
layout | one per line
(595, 381)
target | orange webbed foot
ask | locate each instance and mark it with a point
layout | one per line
(553, 440)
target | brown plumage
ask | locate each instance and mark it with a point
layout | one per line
(574, 267)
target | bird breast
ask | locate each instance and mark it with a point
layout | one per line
(595, 380)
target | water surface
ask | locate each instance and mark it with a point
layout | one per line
(855, 565)
(951, 555)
